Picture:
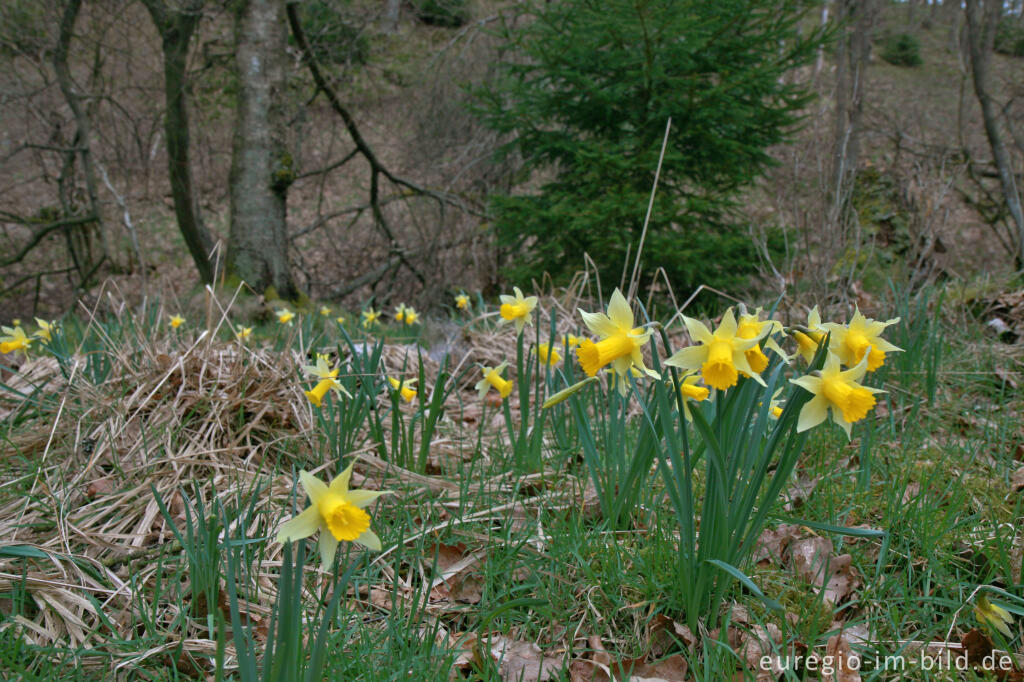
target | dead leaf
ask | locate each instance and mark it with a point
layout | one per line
(800, 491)
(839, 654)
(813, 561)
(521, 661)
(1018, 480)
(772, 544)
(912, 490)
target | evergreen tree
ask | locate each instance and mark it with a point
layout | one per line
(584, 96)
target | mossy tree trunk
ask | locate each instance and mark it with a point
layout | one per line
(261, 165)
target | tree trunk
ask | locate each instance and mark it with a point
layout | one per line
(261, 166)
(982, 21)
(176, 28)
(853, 52)
(79, 239)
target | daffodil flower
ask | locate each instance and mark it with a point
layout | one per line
(328, 380)
(852, 342)
(14, 339)
(690, 391)
(839, 391)
(46, 330)
(462, 302)
(370, 317)
(337, 512)
(176, 321)
(620, 345)
(400, 313)
(404, 387)
(517, 309)
(243, 333)
(992, 616)
(807, 341)
(325, 311)
(492, 377)
(752, 327)
(570, 341)
(549, 356)
(285, 316)
(411, 316)
(340, 319)
(721, 356)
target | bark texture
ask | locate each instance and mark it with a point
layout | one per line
(261, 165)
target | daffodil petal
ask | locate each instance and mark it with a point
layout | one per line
(301, 526)
(599, 323)
(728, 326)
(369, 540)
(314, 487)
(689, 358)
(363, 498)
(697, 330)
(812, 413)
(339, 486)
(619, 311)
(328, 548)
(808, 383)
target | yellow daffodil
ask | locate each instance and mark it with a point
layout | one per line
(325, 311)
(807, 341)
(400, 313)
(492, 377)
(566, 392)
(836, 390)
(176, 321)
(689, 390)
(16, 322)
(411, 316)
(850, 342)
(992, 616)
(752, 327)
(620, 344)
(569, 341)
(462, 302)
(404, 387)
(370, 317)
(517, 309)
(285, 316)
(243, 333)
(337, 512)
(46, 330)
(328, 380)
(549, 356)
(14, 339)
(721, 356)
(340, 319)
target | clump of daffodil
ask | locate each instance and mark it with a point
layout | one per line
(492, 377)
(243, 333)
(325, 311)
(620, 344)
(176, 321)
(285, 316)
(400, 313)
(411, 316)
(328, 380)
(14, 339)
(837, 390)
(750, 326)
(808, 340)
(721, 356)
(46, 330)
(462, 302)
(690, 390)
(852, 342)
(992, 616)
(404, 387)
(549, 356)
(337, 512)
(370, 317)
(517, 309)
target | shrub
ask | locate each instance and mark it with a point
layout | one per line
(1010, 38)
(447, 13)
(902, 50)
